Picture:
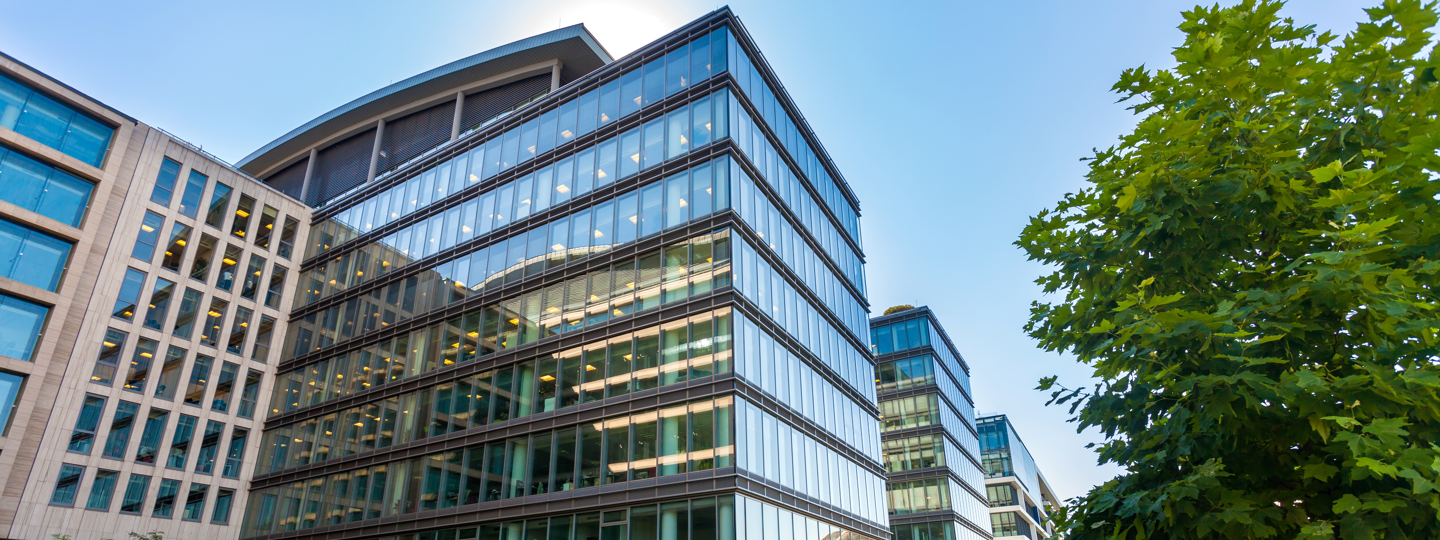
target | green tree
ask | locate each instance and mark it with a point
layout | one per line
(1252, 276)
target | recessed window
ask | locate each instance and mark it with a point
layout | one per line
(32, 257)
(149, 236)
(195, 502)
(10, 385)
(180, 443)
(165, 182)
(170, 373)
(101, 489)
(42, 189)
(120, 427)
(47, 121)
(125, 302)
(110, 349)
(67, 485)
(219, 203)
(224, 499)
(83, 437)
(140, 362)
(165, 498)
(135, 490)
(240, 227)
(152, 436)
(194, 190)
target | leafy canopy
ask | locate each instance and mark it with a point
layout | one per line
(1252, 276)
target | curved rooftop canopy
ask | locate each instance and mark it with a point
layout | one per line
(574, 47)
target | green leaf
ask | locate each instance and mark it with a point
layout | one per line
(1348, 504)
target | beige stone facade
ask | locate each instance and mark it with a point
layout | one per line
(57, 381)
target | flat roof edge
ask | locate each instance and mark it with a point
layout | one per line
(576, 31)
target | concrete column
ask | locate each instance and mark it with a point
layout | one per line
(455, 124)
(555, 76)
(309, 171)
(375, 152)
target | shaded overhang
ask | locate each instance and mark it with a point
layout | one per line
(573, 46)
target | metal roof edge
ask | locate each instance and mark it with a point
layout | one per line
(570, 32)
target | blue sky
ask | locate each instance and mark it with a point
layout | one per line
(954, 121)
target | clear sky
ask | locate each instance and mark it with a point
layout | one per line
(954, 121)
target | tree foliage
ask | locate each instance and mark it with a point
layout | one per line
(899, 308)
(1252, 276)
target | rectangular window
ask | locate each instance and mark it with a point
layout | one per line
(67, 485)
(175, 251)
(239, 328)
(267, 227)
(135, 491)
(240, 227)
(32, 257)
(120, 427)
(235, 456)
(165, 183)
(140, 362)
(225, 387)
(227, 268)
(149, 236)
(194, 190)
(199, 379)
(83, 437)
(214, 321)
(249, 394)
(109, 359)
(195, 502)
(42, 189)
(223, 501)
(10, 385)
(159, 306)
(209, 445)
(170, 373)
(101, 490)
(287, 237)
(250, 284)
(165, 499)
(45, 120)
(219, 203)
(654, 152)
(152, 436)
(276, 289)
(204, 258)
(180, 442)
(260, 352)
(125, 302)
(185, 320)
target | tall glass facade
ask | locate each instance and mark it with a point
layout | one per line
(936, 487)
(646, 284)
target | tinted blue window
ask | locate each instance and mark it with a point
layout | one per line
(40, 188)
(52, 123)
(194, 189)
(22, 328)
(654, 80)
(9, 394)
(165, 182)
(630, 92)
(31, 257)
(677, 70)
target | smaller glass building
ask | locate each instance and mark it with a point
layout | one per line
(1020, 499)
(935, 488)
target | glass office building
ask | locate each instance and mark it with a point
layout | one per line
(1020, 498)
(548, 294)
(935, 488)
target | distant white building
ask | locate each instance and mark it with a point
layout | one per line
(1021, 500)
